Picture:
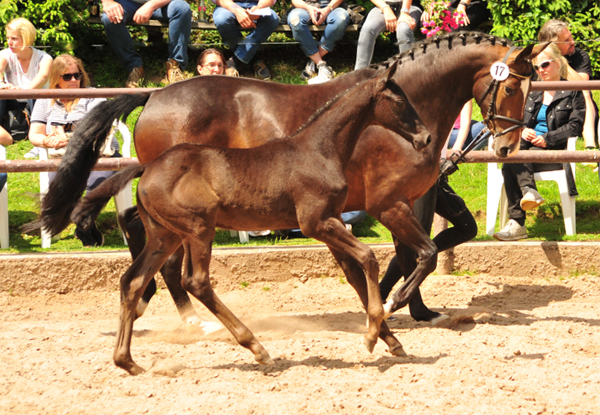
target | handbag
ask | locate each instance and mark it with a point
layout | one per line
(17, 122)
(106, 150)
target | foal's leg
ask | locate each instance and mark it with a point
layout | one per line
(404, 225)
(333, 232)
(196, 280)
(130, 221)
(356, 278)
(158, 248)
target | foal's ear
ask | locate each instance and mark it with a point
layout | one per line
(387, 75)
(392, 70)
(531, 51)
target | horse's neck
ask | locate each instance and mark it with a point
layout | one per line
(337, 126)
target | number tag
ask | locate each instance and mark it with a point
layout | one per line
(499, 71)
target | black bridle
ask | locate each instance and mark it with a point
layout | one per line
(450, 166)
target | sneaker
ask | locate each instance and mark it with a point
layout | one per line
(174, 73)
(135, 78)
(511, 232)
(309, 71)
(325, 74)
(531, 199)
(231, 69)
(33, 153)
(261, 71)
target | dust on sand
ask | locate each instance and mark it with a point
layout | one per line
(512, 346)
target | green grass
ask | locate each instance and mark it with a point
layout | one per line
(286, 63)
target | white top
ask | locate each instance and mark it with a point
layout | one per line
(14, 72)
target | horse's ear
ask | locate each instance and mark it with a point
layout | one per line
(392, 70)
(531, 51)
(387, 76)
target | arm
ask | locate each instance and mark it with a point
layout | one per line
(3, 65)
(405, 15)
(573, 127)
(38, 137)
(465, 126)
(462, 8)
(240, 14)
(390, 18)
(144, 13)
(42, 76)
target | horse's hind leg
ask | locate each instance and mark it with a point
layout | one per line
(159, 247)
(356, 278)
(196, 280)
(130, 221)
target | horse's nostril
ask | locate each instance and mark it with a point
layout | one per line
(428, 141)
(504, 152)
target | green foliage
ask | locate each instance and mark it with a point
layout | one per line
(521, 20)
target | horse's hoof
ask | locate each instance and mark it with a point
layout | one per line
(398, 351)
(370, 344)
(264, 358)
(437, 320)
(210, 327)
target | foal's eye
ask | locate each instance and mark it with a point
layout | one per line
(400, 103)
(509, 91)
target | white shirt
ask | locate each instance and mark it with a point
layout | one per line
(14, 74)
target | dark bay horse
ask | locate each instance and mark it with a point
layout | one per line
(294, 181)
(386, 173)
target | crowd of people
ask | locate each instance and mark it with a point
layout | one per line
(551, 117)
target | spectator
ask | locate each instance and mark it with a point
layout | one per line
(336, 18)
(53, 119)
(392, 18)
(465, 130)
(232, 16)
(551, 117)
(212, 62)
(117, 13)
(558, 31)
(23, 67)
(475, 13)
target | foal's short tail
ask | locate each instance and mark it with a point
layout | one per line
(87, 210)
(82, 154)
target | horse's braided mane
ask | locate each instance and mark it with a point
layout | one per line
(465, 38)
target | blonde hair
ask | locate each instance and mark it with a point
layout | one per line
(59, 65)
(565, 71)
(25, 28)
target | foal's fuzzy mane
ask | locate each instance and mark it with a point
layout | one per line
(443, 42)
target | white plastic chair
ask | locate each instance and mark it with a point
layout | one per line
(4, 235)
(244, 237)
(496, 194)
(123, 200)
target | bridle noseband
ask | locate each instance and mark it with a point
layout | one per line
(492, 115)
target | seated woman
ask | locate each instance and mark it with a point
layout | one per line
(212, 62)
(551, 117)
(465, 130)
(53, 119)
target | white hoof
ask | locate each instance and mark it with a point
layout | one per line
(387, 310)
(210, 327)
(439, 319)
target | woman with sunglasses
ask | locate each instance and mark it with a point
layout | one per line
(551, 117)
(52, 120)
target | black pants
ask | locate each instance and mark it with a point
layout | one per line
(440, 199)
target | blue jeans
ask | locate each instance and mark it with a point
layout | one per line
(177, 13)
(230, 30)
(476, 128)
(337, 21)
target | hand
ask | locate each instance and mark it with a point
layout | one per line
(55, 140)
(448, 167)
(406, 18)
(465, 19)
(539, 142)
(243, 18)
(391, 23)
(324, 12)
(8, 85)
(528, 134)
(425, 17)
(113, 10)
(143, 14)
(315, 14)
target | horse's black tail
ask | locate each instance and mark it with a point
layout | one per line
(81, 156)
(87, 210)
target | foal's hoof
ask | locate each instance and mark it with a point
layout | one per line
(437, 320)
(264, 359)
(398, 351)
(387, 310)
(370, 344)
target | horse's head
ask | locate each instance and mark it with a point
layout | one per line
(395, 112)
(501, 91)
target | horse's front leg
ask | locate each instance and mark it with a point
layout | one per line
(133, 284)
(356, 278)
(406, 228)
(333, 233)
(196, 280)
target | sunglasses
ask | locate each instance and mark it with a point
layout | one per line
(543, 65)
(69, 76)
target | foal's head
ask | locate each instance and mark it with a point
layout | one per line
(395, 112)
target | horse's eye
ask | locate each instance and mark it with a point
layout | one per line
(400, 103)
(509, 91)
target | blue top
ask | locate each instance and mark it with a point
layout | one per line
(541, 126)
